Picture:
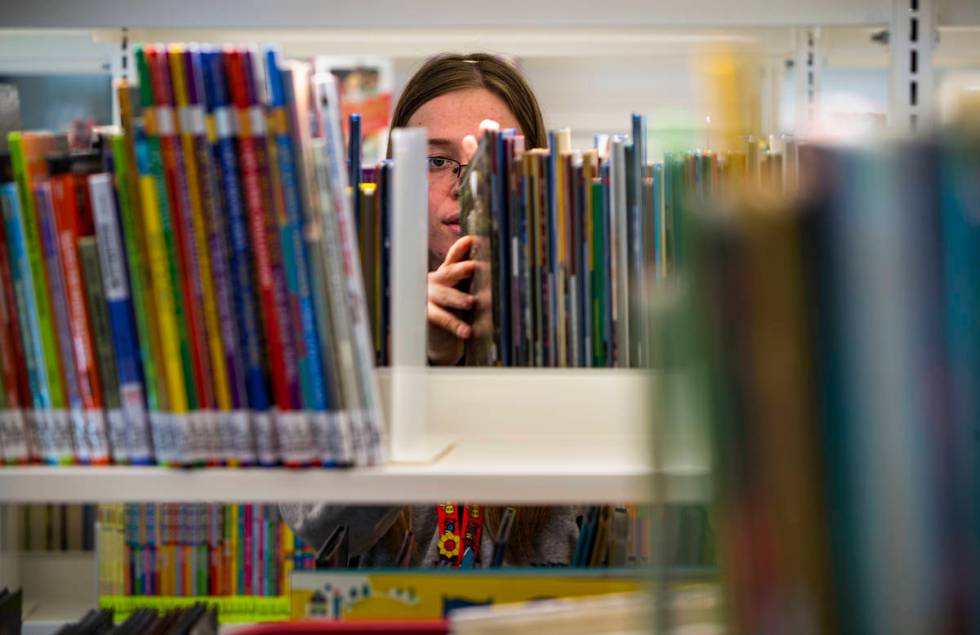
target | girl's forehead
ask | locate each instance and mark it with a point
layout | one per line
(454, 115)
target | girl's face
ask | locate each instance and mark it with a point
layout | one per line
(448, 118)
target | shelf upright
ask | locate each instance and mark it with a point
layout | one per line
(409, 407)
(912, 39)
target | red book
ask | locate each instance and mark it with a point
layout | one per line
(258, 208)
(70, 224)
(13, 364)
(177, 193)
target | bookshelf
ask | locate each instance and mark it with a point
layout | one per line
(559, 436)
(514, 435)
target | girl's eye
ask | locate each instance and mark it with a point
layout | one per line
(438, 163)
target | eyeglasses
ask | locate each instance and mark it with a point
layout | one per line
(444, 170)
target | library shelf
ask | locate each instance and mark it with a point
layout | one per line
(488, 436)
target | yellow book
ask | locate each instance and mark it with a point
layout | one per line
(163, 294)
(193, 136)
(150, 335)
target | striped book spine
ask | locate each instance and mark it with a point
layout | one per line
(252, 164)
(200, 177)
(253, 393)
(50, 414)
(330, 427)
(229, 377)
(190, 322)
(269, 184)
(112, 259)
(93, 437)
(71, 431)
(123, 168)
(366, 412)
(277, 316)
(297, 435)
(170, 431)
(14, 436)
(88, 255)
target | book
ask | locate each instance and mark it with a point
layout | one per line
(125, 340)
(53, 432)
(242, 334)
(88, 251)
(71, 436)
(71, 223)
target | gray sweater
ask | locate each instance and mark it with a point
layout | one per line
(367, 525)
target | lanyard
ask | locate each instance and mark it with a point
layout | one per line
(452, 548)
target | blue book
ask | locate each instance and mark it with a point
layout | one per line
(296, 262)
(239, 253)
(112, 258)
(30, 327)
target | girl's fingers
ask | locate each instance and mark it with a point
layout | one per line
(459, 250)
(449, 297)
(451, 275)
(447, 321)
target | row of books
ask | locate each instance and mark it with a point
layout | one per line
(840, 333)
(189, 292)
(196, 618)
(571, 243)
(54, 527)
(193, 550)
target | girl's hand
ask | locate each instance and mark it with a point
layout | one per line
(446, 330)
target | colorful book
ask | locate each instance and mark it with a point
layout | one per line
(27, 151)
(71, 223)
(88, 255)
(250, 374)
(116, 286)
(170, 428)
(70, 436)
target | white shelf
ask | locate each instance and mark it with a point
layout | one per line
(493, 436)
(525, 476)
(437, 14)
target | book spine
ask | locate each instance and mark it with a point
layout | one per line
(50, 416)
(298, 438)
(93, 436)
(330, 427)
(140, 280)
(229, 373)
(253, 391)
(190, 322)
(245, 549)
(88, 252)
(368, 411)
(69, 432)
(14, 435)
(112, 260)
(201, 181)
(160, 131)
(253, 159)
(170, 431)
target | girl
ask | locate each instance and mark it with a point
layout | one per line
(450, 96)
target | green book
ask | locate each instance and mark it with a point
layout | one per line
(156, 170)
(54, 396)
(104, 352)
(599, 274)
(128, 209)
(99, 316)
